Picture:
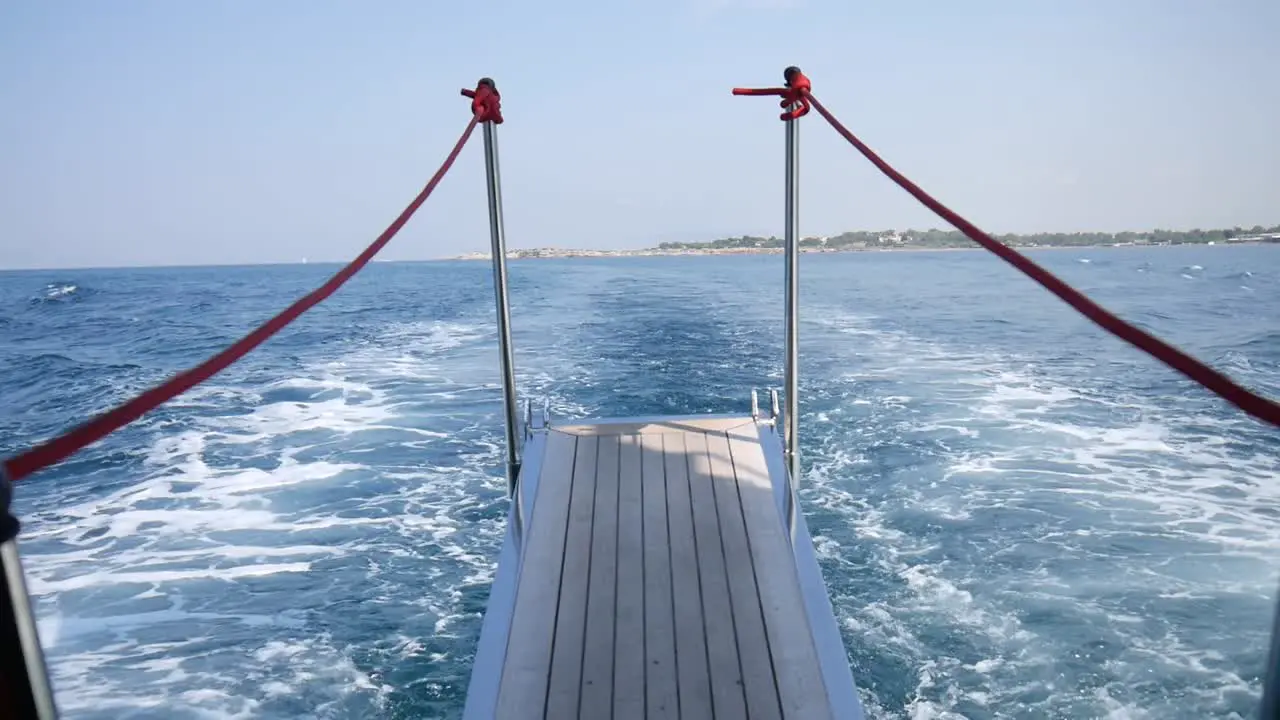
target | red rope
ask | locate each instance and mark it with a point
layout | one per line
(1214, 381)
(486, 101)
(795, 94)
(61, 447)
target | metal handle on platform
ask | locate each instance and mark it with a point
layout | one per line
(1270, 709)
(499, 249)
(24, 678)
(791, 417)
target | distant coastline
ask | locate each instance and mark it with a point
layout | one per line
(913, 240)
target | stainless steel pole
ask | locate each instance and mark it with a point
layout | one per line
(499, 249)
(24, 678)
(1270, 709)
(792, 415)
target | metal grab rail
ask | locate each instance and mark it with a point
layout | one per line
(792, 240)
(25, 690)
(498, 245)
(1270, 706)
(795, 98)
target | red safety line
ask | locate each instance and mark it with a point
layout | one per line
(61, 447)
(1214, 381)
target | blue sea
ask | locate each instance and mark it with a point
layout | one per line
(1018, 515)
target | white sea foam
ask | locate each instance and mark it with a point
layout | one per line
(1004, 534)
(149, 594)
(1156, 502)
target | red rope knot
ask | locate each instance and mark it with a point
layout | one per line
(794, 94)
(486, 101)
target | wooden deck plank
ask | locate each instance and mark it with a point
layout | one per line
(629, 667)
(727, 692)
(565, 689)
(523, 690)
(795, 659)
(598, 651)
(661, 699)
(693, 679)
(658, 581)
(748, 619)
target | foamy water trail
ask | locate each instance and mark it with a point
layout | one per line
(1039, 547)
(1016, 516)
(270, 515)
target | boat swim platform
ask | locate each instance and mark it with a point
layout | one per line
(656, 568)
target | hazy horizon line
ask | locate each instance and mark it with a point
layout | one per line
(459, 257)
(470, 261)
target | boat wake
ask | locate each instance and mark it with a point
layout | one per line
(1019, 541)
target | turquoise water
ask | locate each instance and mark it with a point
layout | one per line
(1018, 515)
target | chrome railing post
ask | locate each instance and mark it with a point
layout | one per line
(1270, 709)
(499, 250)
(791, 416)
(24, 678)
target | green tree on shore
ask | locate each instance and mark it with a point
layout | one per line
(935, 238)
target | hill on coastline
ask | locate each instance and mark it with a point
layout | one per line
(932, 239)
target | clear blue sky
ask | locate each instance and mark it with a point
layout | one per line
(159, 132)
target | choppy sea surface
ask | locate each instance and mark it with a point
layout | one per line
(1017, 515)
